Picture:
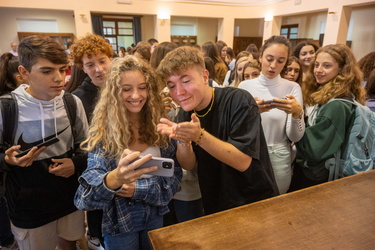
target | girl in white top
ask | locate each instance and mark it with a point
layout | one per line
(282, 119)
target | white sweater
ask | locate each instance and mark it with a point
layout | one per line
(278, 126)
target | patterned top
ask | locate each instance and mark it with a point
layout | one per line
(93, 194)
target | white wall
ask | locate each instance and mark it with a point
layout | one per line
(148, 27)
(363, 33)
(206, 28)
(313, 24)
(308, 24)
(8, 21)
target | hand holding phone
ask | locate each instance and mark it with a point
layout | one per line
(43, 144)
(165, 166)
(273, 101)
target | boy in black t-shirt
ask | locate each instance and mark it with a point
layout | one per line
(220, 128)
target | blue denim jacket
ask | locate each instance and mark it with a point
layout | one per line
(92, 193)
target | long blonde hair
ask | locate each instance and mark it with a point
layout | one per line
(347, 82)
(110, 126)
(237, 77)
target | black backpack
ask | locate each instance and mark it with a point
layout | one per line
(9, 112)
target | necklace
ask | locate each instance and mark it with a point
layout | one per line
(212, 103)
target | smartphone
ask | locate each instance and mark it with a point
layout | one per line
(46, 143)
(272, 101)
(165, 166)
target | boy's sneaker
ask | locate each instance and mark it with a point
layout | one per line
(94, 243)
(13, 246)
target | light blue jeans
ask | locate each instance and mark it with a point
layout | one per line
(145, 218)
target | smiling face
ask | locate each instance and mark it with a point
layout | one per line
(134, 91)
(46, 79)
(273, 60)
(306, 54)
(96, 67)
(250, 73)
(326, 68)
(190, 89)
(292, 72)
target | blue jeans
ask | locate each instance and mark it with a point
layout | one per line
(145, 218)
(6, 236)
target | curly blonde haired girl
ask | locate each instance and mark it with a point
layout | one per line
(109, 121)
(124, 128)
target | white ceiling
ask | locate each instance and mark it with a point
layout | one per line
(228, 2)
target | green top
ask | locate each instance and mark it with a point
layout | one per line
(323, 139)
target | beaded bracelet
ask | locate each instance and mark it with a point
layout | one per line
(184, 144)
(200, 137)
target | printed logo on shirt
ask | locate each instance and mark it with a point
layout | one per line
(27, 145)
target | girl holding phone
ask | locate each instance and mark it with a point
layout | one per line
(123, 128)
(282, 118)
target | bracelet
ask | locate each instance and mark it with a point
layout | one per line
(200, 137)
(184, 144)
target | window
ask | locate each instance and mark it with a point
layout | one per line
(119, 32)
(289, 31)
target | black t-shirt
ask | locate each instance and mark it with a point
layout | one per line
(234, 118)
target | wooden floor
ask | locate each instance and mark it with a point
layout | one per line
(335, 215)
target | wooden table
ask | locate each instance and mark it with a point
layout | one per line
(335, 215)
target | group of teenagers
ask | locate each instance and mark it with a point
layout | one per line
(239, 140)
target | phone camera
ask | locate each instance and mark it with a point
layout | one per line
(167, 165)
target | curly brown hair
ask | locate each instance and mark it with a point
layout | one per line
(89, 45)
(367, 64)
(110, 126)
(347, 82)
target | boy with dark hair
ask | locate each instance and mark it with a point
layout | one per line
(234, 168)
(40, 185)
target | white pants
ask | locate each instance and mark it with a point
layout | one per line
(281, 163)
(70, 227)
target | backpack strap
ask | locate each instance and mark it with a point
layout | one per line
(9, 112)
(334, 167)
(71, 107)
(71, 110)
